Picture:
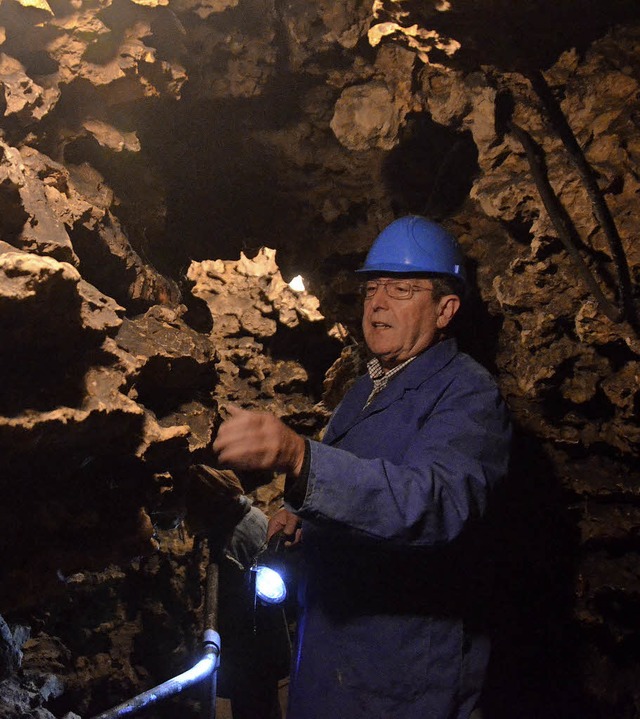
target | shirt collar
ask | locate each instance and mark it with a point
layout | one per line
(380, 378)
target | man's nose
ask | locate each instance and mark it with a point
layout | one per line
(379, 298)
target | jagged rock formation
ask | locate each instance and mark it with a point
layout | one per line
(97, 457)
(149, 150)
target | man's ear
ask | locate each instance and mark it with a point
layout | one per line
(447, 308)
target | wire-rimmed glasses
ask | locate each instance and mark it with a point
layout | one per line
(396, 289)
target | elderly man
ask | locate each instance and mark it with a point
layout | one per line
(393, 502)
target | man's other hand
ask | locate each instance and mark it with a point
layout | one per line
(251, 440)
(287, 523)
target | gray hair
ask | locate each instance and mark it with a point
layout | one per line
(444, 285)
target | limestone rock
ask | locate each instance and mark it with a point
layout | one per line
(115, 165)
(25, 100)
(11, 641)
(108, 136)
(366, 116)
(43, 301)
(271, 341)
(28, 219)
(420, 39)
(171, 370)
(93, 438)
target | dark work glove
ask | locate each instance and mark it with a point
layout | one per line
(214, 501)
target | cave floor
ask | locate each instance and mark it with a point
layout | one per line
(223, 706)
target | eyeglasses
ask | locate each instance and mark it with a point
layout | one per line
(396, 289)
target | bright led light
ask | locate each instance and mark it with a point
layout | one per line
(297, 284)
(269, 585)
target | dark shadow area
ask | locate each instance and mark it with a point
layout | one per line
(164, 385)
(12, 214)
(432, 169)
(535, 670)
(477, 330)
(617, 352)
(99, 264)
(557, 408)
(226, 189)
(60, 381)
(202, 185)
(82, 515)
(225, 195)
(336, 285)
(312, 348)
(38, 371)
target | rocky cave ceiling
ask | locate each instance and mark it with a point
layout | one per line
(166, 168)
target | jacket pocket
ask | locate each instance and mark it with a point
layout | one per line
(401, 657)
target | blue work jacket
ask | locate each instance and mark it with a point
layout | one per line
(394, 550)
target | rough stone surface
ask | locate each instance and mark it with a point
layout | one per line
(145, 146)
(272, 340)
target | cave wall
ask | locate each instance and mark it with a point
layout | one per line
(149, 153)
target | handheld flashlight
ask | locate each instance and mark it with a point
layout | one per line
(267, 572)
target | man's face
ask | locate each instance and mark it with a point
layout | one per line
(397, 329)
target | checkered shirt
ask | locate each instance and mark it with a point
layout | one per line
(380, 378)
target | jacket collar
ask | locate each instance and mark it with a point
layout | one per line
(421, 369)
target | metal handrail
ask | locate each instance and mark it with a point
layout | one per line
(205, 668)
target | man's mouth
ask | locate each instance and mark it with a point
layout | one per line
(380, 325)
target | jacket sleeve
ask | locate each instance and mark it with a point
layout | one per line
(459, 452)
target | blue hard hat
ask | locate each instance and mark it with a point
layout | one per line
(414, 244)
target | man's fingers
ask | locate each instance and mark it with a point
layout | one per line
(292, 524)
(258, 440)
(282, 521)
(295, 540)
(276, 524)
(230, 430)
(233, 410)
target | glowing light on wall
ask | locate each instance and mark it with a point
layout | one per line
(297, 284)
